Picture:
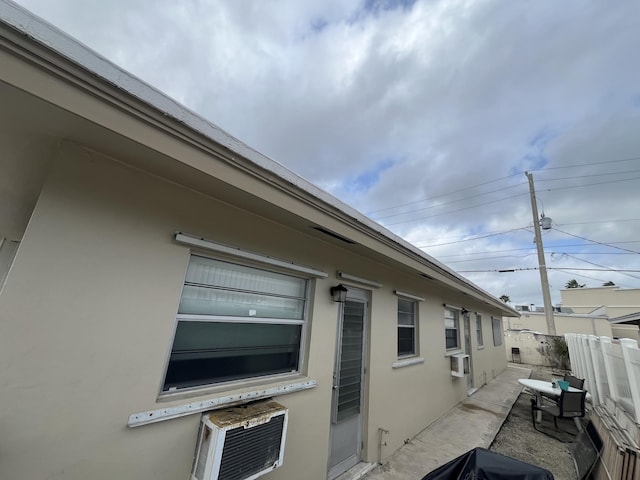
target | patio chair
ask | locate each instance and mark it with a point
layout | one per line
(570, 405)
(574, 382)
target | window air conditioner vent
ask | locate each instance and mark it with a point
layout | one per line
(459, 365)
(240, 443)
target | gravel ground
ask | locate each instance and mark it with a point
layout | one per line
(518, 439)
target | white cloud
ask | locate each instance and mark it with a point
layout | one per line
(416, 103)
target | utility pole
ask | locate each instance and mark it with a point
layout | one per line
(542, 266)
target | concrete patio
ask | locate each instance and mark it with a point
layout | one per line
(474, 422)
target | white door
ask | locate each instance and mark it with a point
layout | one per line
(467, 349)
(348, 380)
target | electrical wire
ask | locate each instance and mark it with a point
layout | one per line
(474, 238)
(515, 175)
(599, 265)
(594, 241)
(459, 210)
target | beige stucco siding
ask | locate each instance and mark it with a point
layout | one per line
(89, 315)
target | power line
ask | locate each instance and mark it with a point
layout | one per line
(599, 265)
(474, 238)
(446, 203)
(588, 164)
(445, 194)
(550, 246)
(510, 176)
(585, 176)
(594, 241)
(455, 211)
(566, 187)
(599, 221)
(613, 270)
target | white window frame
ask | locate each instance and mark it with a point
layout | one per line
(479, 334)
(270, 267)
(496, 329)
(414, 327)
(456, 321)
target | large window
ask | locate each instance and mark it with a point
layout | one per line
(407, 310)
(479, 330)
(235, 322)
(451, 328)
(496, 326)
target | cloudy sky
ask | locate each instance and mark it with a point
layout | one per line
(424, 114)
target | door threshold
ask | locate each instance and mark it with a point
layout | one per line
(357, 471)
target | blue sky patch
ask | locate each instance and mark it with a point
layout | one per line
(366, 180)
(318, 24)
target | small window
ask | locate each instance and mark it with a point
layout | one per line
(235, 322)
(496, 326)
(406, 327)
(451, 328)
(479, 330)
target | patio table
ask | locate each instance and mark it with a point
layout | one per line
(542, 386)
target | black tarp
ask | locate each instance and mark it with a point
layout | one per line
(481, 464)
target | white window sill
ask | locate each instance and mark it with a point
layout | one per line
(220, 401)
(481, 347)
(408, 362)
(453, 351)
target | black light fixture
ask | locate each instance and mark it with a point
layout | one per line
(464, 311)
(339, 293)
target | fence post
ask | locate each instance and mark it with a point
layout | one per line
(605, 343)
(630, 355)
(595, 386)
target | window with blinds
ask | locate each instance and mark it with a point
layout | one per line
(406, 327)
(451, 328)
(235, 322)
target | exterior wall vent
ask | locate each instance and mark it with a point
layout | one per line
(459, 364)
(240, 443)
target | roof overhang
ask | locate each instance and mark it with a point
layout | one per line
(56, 88)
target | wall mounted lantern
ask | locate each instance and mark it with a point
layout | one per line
(339, 293)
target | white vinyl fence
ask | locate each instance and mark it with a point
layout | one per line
(611, 369)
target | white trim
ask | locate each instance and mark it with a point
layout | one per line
(453, 351)
(237, 252)
(153, 416)
(409, 296)
(408, 362)
(361, 280)
(220, 319)
(452, 307)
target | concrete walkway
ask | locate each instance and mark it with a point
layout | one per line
(474, 422)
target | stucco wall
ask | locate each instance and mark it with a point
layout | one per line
(89, 315)
(618, 301)
(537, 322)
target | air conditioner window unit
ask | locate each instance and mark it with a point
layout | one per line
(240, 443)
(459, 364)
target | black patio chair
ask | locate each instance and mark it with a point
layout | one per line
(574, 382)
(570, 405)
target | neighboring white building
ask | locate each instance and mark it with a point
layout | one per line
(528, 334)
(612, 301)
(153, 268)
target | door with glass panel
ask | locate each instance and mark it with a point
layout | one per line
(467, 349)
(348, 380)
